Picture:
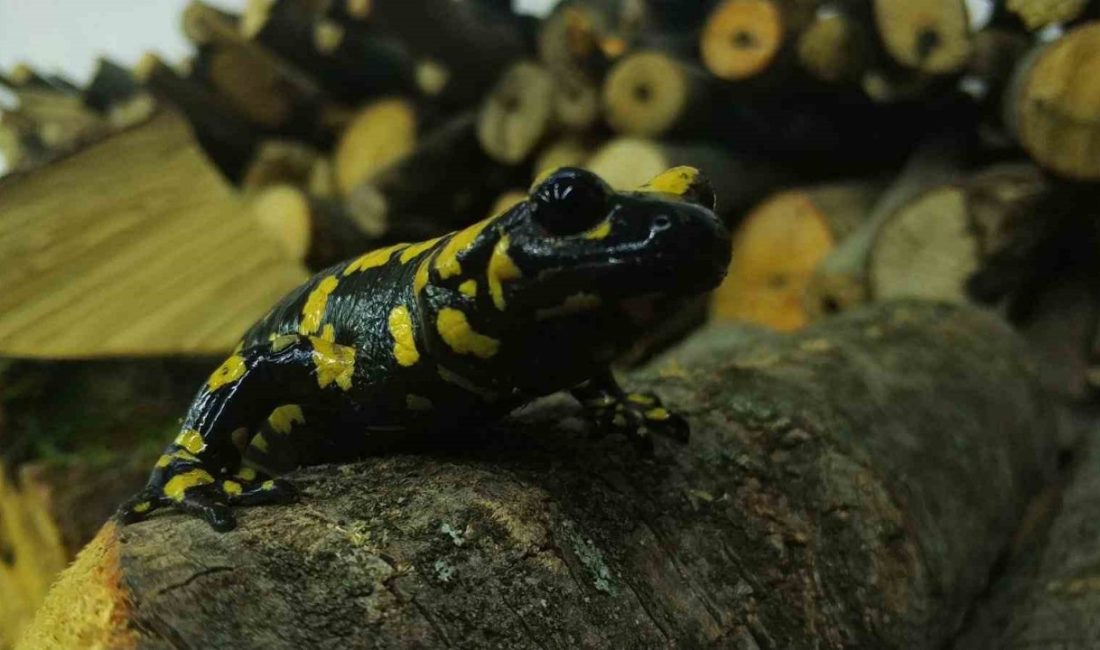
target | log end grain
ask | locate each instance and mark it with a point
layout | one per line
(741, 38)
(1055, 109)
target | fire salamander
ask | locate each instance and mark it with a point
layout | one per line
(451, 331)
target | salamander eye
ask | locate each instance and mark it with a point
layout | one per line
(570, 201)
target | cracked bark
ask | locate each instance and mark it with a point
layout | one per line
(850, 486)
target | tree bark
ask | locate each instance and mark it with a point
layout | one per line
(847, 487)
(1048, 596)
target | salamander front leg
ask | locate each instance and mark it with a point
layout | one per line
(637, 415)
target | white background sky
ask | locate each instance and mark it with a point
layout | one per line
(68, 35)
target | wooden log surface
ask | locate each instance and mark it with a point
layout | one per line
(853, 484)
(1048, 593)
(157, 256)
(778, 246)
(1052, 108)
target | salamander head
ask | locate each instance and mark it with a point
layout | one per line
(575, 241)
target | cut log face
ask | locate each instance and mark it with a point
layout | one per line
(1055, 106)
(173, 265)
(517, 114)
(925, 250)
(932, 36)
(780, 244)
(648, 94)
(827, 493)
(741, 38)
(377, 136)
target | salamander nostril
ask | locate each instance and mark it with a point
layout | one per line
(662, 222)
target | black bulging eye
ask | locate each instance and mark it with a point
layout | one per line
(662, 222)
(570, 201)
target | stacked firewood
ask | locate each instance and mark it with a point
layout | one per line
(861, 150)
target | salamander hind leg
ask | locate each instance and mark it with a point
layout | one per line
(636, 415)
(201, 472)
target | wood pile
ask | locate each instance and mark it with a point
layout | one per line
(862, 151)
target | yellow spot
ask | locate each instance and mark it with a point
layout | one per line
(468, 288)
(280, 343)
(283, 419)
(418, 403)
(404, 342)
(639, 398)
(142, 507)
(164, 461)
(240, 438)
(260, 443)
(328, 332)
(191, 440)
(573, 304)
(452, 377)
(232, 488)
(315, 305)
(230, 371)
(416, 249)
(456, 332)
(657, 414)
(333, 362)
(420, 279)
(501, 269)
(600, 231)
(246, 474)
(446, 263)
(176, 486)
(676, 181)
(372, 259)
(267, 485)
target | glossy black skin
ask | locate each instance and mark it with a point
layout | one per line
(581, 272)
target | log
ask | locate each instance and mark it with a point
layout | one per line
(227, 136)
(779, 245)
(827, 494)
(652, 94)
(932, 36)
(446, 183)
(115, 94)
(173, 266)
(566, 152)
(280, 162)
(468, 43)
(834, 47)
(350, 63)
(1051, 107)
(1037, 14)
(315, 231)
(585, 36)
(257, 82)
(840, 281)
(743, 38)
(983, 231)
(576, 101)
(1046, 595)
(379, 134)
(517, 114)
(76, 438)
